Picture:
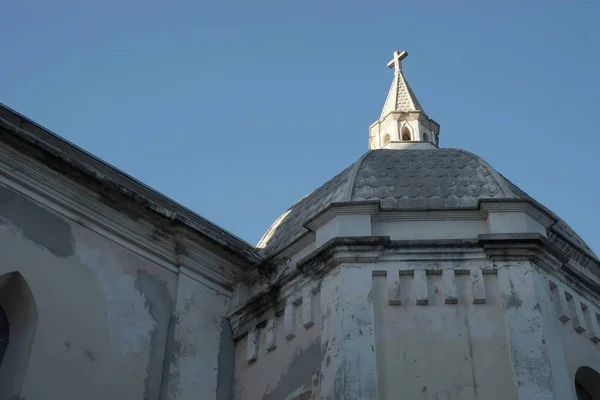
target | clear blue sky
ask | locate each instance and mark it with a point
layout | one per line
(238, 109)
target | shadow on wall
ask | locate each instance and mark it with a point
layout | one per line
(18, 305)
(587, 384)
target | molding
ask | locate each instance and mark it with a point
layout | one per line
(488, 206)
(339, 250)
(579, 256)
(270, 302)
(456, 214)
(168, 243)
(341, 208)
(532, 247)
(203, 281)
(488, 252)
(67, 159)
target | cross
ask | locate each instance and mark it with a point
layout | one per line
(397, 60)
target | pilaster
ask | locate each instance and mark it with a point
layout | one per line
(348, 368)
(524, 326)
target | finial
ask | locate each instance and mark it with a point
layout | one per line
(396, 62)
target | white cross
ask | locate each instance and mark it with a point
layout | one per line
(397, 60)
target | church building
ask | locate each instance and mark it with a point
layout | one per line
(418, 272)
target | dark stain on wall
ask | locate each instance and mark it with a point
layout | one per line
(170, 388)
(300, 372)
(225, 383)
(512, 300)
(37, 223)
(90, 355)
(159, 304)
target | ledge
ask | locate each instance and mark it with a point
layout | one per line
(523, 246)
(125, 193)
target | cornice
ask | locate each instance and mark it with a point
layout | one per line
(270, 302)
(67, 159)
(341, 208)
(545, 254)
(336, 251)
(516, 205)
(489, 250)
(167, 242)
(479, 212)
(532, 247)
(453, 214)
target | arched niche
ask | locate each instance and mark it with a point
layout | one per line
(425, 137)
(587, 384)
(386, 139)
(20, 309)
(406, 134)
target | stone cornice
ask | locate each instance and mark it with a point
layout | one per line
(544, 253)
(345, 249)
(98, 203)
(63, 157)
(532, 247)
(487, 249)
(341, 208)
(269, 302)
(480, 212)
(516, 205)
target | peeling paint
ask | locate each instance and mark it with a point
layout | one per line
(36, 223)
(158, 303)
(512, 299)
(128, 320)
(171, 390)
(225, 382)
(299, 373)
(90, 355)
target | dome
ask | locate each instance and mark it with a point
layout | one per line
(407, 179)
(406, 170)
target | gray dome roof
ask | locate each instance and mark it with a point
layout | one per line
(405, 179)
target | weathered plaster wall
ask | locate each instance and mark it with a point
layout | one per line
(348, 368)
(570, 326)
(102, 311)
(200, 363)
(440, 334)
(530, 351)
(287, 354)
(430, 229)
(18, 303)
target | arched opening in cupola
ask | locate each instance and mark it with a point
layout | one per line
(405, 133)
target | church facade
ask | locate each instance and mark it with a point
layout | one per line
(418, 272)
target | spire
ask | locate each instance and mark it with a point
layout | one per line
(403, 122)
(400, 97)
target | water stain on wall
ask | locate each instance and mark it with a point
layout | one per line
(37, 223)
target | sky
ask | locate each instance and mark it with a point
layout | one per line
(238, 109)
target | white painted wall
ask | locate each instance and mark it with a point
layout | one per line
(202, 350)
(430, 229)
(343, 226)
(104, 315)
(103, 312)
(514, 222)
(567, 331)
(286, 370)
(438, 350)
